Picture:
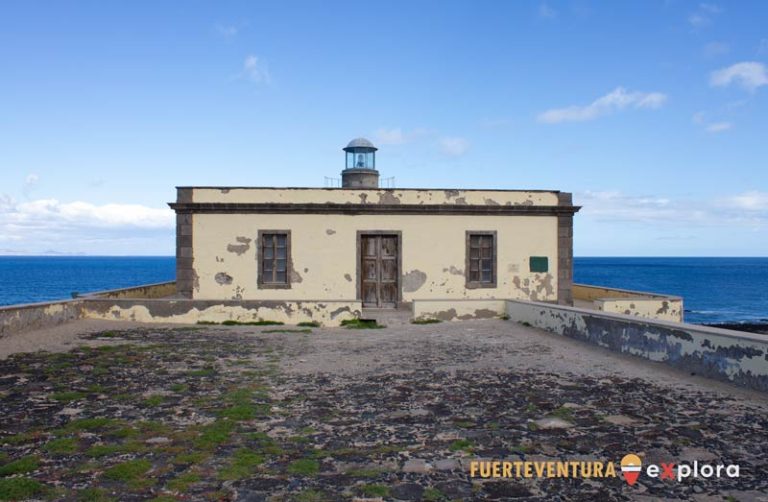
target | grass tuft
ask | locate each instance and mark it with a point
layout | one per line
(309, 324)
(128, 471)
(19, 488)
(461, 445)
(374, 490)
(20, 466)
(244, 463)
(61, 446)
(67, 396)
(304, 467)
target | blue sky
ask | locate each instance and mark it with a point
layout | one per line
(654, 114)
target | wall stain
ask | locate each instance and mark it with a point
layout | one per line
(453, 270)
(449, 194)
(223, 278)
(491, 202)
(330, 231)
(413, 280)
(245, 245)
(348, 277)
(388, 198)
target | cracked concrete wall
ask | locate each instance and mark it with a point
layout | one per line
(733, 356)
(327, 313)
(324, 254)
(374, 196)
(458, 310)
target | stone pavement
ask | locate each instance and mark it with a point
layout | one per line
(284, 413)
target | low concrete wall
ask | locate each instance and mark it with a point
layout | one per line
(733, 356)
(327, 313)
(457, 310)
(16, 318)
(157, 290)
(635, 303)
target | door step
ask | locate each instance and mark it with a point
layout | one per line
(389, 317)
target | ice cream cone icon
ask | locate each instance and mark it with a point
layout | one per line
(630, 468)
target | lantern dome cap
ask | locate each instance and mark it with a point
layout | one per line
(360, 143)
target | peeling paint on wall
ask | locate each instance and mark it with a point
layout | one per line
(243, 246)
(714, 353)
(459, 310)
(223, 278)
(388, 198)
(413, 280)
(192, 311)
(453, 270)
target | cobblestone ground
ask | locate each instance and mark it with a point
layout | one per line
(220, 413)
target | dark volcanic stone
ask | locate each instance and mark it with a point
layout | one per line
(501, 490)
(407, 491)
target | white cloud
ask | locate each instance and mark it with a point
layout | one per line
(749, 74)
(546, 11)
(81, 227)
(702, 17)
(616, 100)
(453, 146)
(226, 31)
(700, 118)
(53, 214)
(748, 201)
(256, 70)
(749, 209)
(396, 136)
(698, 20)
(711, 8)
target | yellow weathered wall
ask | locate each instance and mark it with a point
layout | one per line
(452, 310)
(663, 309)
(191, 311)
(324, 255)
(376, 196)
(635, 303)
(590, 293)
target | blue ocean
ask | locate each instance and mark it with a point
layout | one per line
(715, 290)
(29, 279)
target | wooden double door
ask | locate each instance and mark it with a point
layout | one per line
(379, 270)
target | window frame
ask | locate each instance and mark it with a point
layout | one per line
(470, 284)
(261, 283)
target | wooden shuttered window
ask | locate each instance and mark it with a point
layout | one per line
(274, 259)
(481, 260)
